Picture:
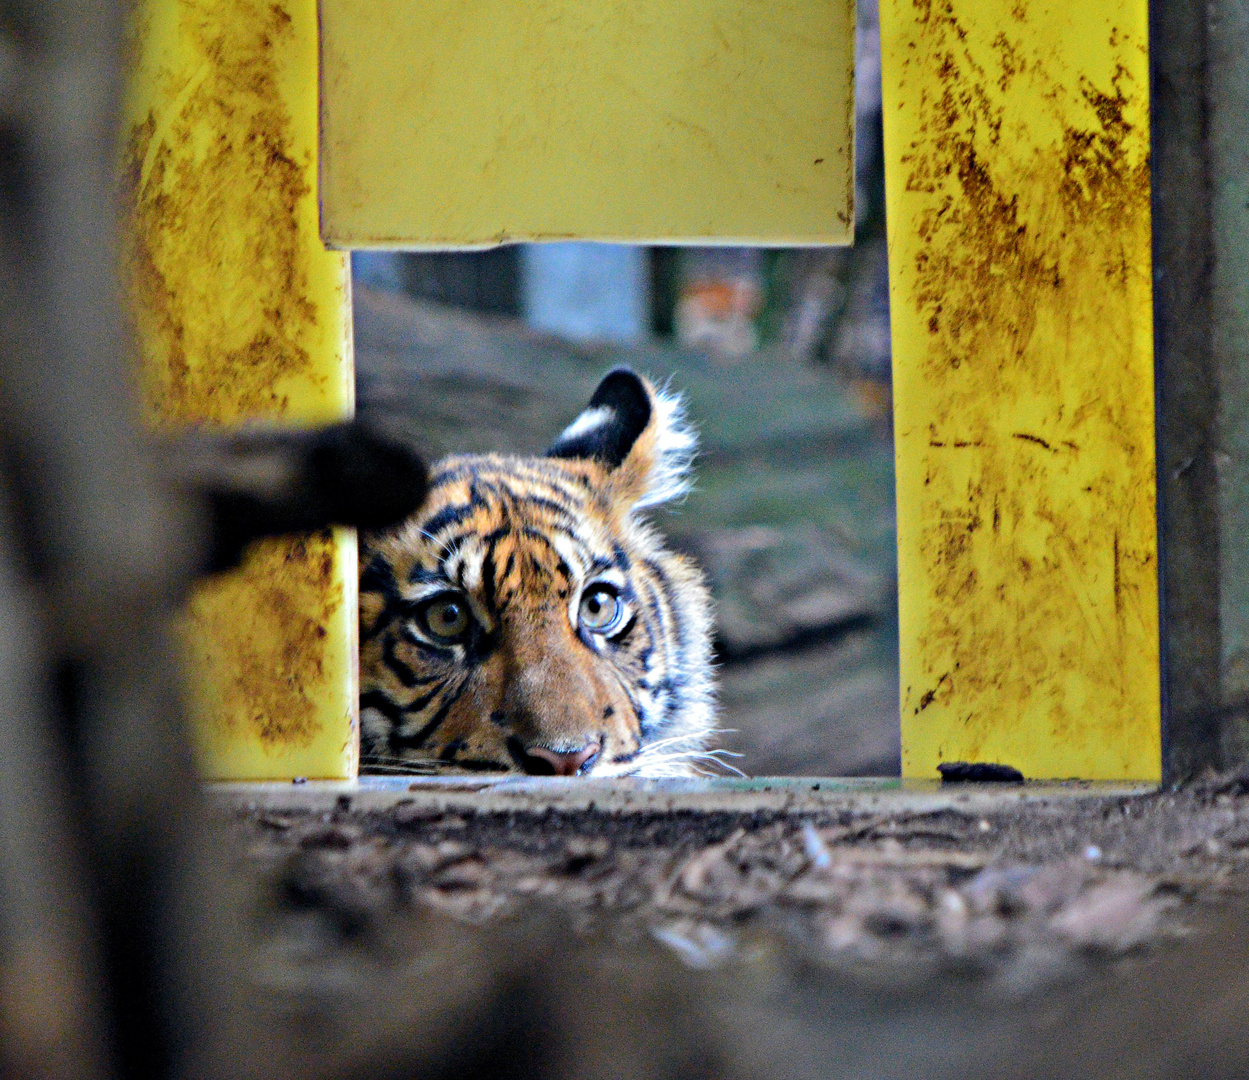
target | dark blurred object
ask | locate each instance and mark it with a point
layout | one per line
(118, 938)
(978, 772)
(266, 482)
(113, 959)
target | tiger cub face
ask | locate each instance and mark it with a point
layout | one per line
(527, 618)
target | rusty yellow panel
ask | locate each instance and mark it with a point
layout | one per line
(454, 124)
(242, 315)
(273, 649)
(1017, 165)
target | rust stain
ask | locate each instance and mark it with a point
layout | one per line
(259, 638)
(215, 250)
(1118, 579)
(1034, 439)
(931, 695)
(1100, 188)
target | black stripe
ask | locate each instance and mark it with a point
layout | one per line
(557, 475)
(498, 534)
(544, 534)
(379, 576)
(454, 472)
(565, 512)
(384, 618)
(487, 571)
(406, 676)
(418, 575)
(453, 515)
(644, 729)
(416, 741)
(375, 699)
(422, 700)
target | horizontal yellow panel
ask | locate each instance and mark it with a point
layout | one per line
(446, 123)
(1017, 174)
(242, 315)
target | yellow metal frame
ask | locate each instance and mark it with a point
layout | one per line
(243, 316)
(1017, 174)
(1016, 141)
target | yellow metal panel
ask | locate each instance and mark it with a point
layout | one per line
(242, 315)
(1017, 157)
(448, 123)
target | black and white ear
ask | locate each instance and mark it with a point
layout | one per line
(639, 434)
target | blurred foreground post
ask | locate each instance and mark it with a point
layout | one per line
(1018, 184)
(97, 794)
(242, 315)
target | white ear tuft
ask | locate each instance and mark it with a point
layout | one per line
(676, 444)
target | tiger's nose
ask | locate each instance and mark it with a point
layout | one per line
(539, 761)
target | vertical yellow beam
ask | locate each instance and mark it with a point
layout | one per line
(1017, 158)
(242, 315)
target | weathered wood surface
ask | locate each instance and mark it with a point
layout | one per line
(792, 515)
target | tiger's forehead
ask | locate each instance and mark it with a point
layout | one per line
(488, 521)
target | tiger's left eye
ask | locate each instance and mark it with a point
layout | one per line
(600, 608)
(446, 617)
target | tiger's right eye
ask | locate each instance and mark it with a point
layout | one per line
(446, 618)
(600, 608)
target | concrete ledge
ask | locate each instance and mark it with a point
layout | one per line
(796, 795)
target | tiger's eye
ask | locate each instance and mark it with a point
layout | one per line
(600, 608)
(446, 617)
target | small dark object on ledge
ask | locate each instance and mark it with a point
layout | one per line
(978, 772)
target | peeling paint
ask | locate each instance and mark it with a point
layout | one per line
(1017, 148)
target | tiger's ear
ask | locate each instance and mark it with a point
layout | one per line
(639, 435)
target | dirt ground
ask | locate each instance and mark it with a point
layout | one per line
(1018, 895)
(982, 938)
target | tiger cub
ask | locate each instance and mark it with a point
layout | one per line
(528, 618)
